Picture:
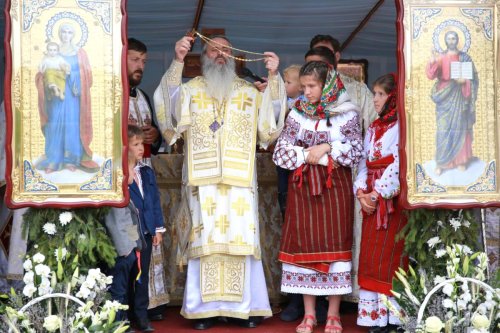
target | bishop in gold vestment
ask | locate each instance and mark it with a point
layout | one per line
(222, 119)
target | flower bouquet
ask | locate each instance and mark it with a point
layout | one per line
(62, 291)
(447, 289)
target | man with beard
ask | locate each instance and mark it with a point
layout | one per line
(222, 118)
(140, 111)
(152, 293)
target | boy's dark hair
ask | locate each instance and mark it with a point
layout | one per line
(133, 130)
(325, 53)
(325, 38)
(318, 69)
(137, 45)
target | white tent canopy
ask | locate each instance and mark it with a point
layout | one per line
(281, 26)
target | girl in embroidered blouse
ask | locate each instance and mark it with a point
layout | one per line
(320, 143)
(377, 188)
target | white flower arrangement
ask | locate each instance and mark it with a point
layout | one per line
(450, 292)
(63, 291)
(460, 304)
(40, 287)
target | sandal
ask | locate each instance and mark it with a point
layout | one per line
(304, 327)
(333, 328)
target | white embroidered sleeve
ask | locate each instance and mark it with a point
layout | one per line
(286, 155)
(388, 185)
(349, 150)
(362, 172)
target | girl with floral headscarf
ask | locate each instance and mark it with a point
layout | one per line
(321, 143)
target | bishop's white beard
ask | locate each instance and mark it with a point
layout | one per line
(218, 77)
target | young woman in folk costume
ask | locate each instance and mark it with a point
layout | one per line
(321, 142)
(377, 188)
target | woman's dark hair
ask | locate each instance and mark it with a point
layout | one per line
(133, 130)
(386, 82)
(318, 69)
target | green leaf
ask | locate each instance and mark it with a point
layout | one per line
(465, 266)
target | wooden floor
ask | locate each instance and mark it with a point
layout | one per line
(174, 322)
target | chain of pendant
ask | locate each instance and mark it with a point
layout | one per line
(211, 41)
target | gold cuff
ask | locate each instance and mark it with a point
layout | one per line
(274, 86)
(174, 73)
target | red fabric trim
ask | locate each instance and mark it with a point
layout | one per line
(147, 150)
(378, 286)
(298, 175)
(138, 255)
(381, 162)
(316, 261)
(315, 257)
(385, 206)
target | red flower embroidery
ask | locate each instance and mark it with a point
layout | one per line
(364, 313)
(383, 312)
(374, 315)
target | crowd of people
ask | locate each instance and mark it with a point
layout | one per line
(334, 142)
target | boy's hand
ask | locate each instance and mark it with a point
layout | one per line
(157, 238)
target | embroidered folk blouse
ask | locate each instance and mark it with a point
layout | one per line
(300, 132)
(388, 184)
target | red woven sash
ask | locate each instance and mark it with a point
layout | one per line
(385, 206)
(313, 176)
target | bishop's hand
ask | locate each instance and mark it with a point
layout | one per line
(272, 62)
(182, 47)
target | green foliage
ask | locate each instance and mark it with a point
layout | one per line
(424, 224)
(84, 238)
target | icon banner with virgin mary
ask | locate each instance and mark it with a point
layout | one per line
(65, 103)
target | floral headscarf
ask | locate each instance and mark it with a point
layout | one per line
(334, 94)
